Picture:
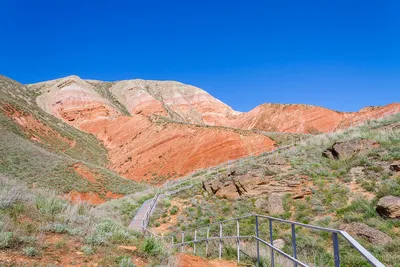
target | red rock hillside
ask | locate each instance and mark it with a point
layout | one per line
(161, 129)
(140, 146)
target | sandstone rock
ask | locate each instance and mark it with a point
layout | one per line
(357, 172)
(248, 182)
(212, 186)
(343, 150)
(389, 206)
(395, 166)
(277, 160)
(279, 243)
(275, 204)
(228, 190)
(293, 183)
(362, 230)
(262, 204)
(127, 248)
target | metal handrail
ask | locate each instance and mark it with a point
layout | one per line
(335, 233)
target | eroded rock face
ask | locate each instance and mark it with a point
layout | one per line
(343, 150)
(362, 230)
(190, 104)
(139, 147)
(150, 143)
(389, 207)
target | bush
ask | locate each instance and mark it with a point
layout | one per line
(11, 192)
(126, 262)
(55, 228)
(108, 231)
(30, 252)
(50, 204)
(174, 210)
(87, 250)
(152, 247)
(5, 239)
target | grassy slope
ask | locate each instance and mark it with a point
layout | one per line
(39, 228)
(48, 163)
(332, 202)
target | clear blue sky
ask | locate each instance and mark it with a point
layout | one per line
(339, 54)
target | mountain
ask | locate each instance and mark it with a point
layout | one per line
(159, 130)
(141, 144)
(189, 104)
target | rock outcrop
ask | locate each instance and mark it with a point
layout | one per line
(343, 150)
(253, 185)
(362, 230)
(389, 207)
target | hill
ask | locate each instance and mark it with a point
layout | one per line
(44, 152)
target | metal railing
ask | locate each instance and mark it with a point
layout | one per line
(270, 243)
(146, 218)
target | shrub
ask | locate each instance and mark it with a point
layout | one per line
(174, 210)
(5, 239)
(55, 228)
(87, 250)
(152, 247)
(11, 192)
(30, 252)
(108, 231)
(126, 262)
(50, 204)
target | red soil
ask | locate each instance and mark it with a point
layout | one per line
(186, 260)
(84, 172)
(141, 150)
(89, 197)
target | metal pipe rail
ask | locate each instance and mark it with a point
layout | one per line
(293, 258)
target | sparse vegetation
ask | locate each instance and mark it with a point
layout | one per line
(343, 191)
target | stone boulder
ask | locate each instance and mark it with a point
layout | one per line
(278, 243)
(395, 166)
(362, 230)
(275, 204)
(343, 150)
(262, 204)
(389, 207)
(228, 190)
(357, 172)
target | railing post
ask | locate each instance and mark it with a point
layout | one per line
(220, 240)
(194, 243)
(294, 245)
(238, 240)
(172, 241)
(257, 243)
(208, 235)
(183, 240)
(271, 240)
(336, 255)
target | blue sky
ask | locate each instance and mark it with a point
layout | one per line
(339, 54)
